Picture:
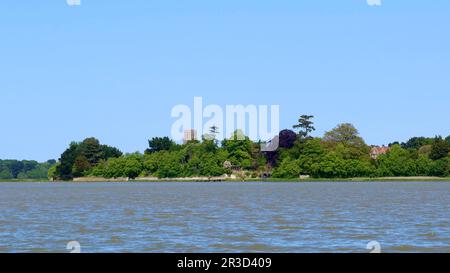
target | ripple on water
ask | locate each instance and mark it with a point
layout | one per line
(115, 240)
(256, 247)
(84, 230)
(362, 236)
(238, 238)
(5, 249)
(242, 247)
(417, 249)
(164, 215)
(276, 217)
(38, 250)
(279, 220)
(403, 248)
(130, 212)
(429, 235)
(174, 224)
(289, 228)
(330, 228)
(155, 247)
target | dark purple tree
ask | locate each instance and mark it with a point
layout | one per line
(287, 139)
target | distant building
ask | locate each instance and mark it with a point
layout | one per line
(189, 135)
(377, 151)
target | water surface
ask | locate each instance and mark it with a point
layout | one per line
(225, 217)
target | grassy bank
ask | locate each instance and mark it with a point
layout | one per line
(24, 180)
(180, 180)
(362, 179)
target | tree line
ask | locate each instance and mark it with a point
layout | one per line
(339, 153)
(24, 169)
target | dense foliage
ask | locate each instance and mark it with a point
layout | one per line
(80, 158)
(340, 153)
(25, 169)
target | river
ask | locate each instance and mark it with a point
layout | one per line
(225, 217)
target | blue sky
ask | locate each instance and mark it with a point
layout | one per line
(115, 69)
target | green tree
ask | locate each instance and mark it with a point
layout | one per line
(91, 149)
(334, 166)
(203, 159)
(311, 152)
(170, 166)
(396, 163)
(440, 167)
(109, 152)
(346, 141)
(305, 125)
(64, 169)
(307, 152)
(206, 165)
(51, 162)
(14, 166)
(425, 150)
(38, 173)
(158, 144)
(343, 133)
(115, 167)
(214, 131)
(239, 148)
(29, 165)
(6, 174)
(51, 174)
(331, 166)
(80, 166)
(130, 165)
(25, 169)
(417, 142)
(439, 149)
(424, 165)
(288, 169)
(133, 167)
(212, 135)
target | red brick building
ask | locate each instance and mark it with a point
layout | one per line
(377, 151)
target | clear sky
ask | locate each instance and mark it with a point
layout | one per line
(114, 69)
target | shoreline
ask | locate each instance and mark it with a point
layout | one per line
(224, 180)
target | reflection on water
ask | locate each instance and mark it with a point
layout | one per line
(225, 217)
